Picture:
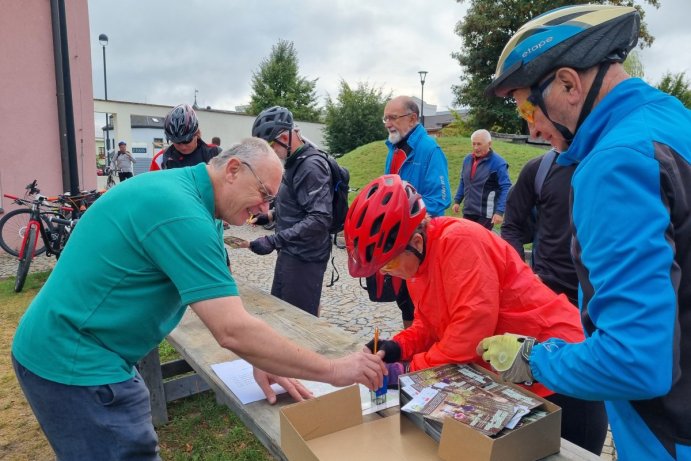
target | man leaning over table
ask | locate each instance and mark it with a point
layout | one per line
(110, 300)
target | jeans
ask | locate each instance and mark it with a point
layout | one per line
(106, 422)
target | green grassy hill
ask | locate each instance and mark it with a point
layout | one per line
(367, 162)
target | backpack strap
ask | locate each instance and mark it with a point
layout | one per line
(543, 169)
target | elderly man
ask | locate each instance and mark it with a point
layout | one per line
(110, 300)
(631, 223)
(484, 183)
(417, 158)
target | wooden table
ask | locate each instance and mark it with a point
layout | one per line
(196, 345)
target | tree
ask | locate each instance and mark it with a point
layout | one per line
(678, 86)
(633, 65)
(354, 119)
(277, 83)
(486, 28)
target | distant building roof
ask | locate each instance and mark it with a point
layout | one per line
(146, 121)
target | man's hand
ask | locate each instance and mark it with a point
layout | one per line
(261, 219)
(497, 219)
(456, 208)
(392, 351)
(359, 367)
(263, 245)
(295, 388)
(509, 355)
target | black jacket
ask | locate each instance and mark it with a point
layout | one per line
(552, 245)
(202, 154)
(303, 208)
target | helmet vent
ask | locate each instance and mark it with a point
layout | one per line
(391, 238)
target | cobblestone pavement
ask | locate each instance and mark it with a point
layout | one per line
(345, 304)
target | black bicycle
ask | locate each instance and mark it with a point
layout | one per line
(53, 229)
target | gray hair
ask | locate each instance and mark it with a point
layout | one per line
(483, 134)
(250, 150)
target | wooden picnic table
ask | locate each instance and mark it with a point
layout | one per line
(197, 346)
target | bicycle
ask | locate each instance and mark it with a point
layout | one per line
(13, 224)
(54, 230)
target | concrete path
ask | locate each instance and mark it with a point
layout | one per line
(345, 304)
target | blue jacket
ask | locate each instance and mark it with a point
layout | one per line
(486, 193)
(631, 222)
(425, 168)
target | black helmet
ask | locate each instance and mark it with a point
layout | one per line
(579, 37)
(271, 122)
(181, 124)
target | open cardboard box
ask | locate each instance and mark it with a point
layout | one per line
(331, 428)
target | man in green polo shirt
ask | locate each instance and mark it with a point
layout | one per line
(139, 256)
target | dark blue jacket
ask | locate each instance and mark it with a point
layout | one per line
(486, 193)
(631, 219)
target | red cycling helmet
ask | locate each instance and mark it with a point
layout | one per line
(380, 223)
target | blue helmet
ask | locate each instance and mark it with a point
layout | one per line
(579, 37)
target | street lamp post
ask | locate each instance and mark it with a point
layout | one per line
(103, 40)
(423, 76)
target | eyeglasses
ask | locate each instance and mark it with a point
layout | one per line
(393, 118)
(186, 142)
(266, 196)
(526, 110)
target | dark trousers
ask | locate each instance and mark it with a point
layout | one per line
(298, 282)
(583, 422)
(123, 176)
(484, 222)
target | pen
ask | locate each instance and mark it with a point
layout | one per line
(376, 339)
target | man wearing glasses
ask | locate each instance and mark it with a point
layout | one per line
(630, 222)
(417, 158)
(182, 129)
(302, 213)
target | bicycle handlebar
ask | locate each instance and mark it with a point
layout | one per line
(64, 222)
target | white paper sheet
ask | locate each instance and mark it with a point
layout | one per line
(237, 375)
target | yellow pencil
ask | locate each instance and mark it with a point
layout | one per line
(376, 339)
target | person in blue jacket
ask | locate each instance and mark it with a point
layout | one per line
(417, 158)
(631, 225)
(484, 183)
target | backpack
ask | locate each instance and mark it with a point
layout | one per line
(542, 171)
(340, 179)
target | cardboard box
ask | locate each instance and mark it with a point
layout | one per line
(331, 428)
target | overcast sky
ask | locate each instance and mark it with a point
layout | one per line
(160, 51)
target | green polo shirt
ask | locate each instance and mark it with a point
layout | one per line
(140, 254)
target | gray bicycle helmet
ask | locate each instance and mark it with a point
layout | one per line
(181, 124)
(579, 37)
(271, 122)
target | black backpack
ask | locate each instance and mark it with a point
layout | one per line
(340, 179)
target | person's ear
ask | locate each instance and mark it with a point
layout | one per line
(232, 169)
(571, 83)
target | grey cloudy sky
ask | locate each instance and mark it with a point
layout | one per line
(160, 51)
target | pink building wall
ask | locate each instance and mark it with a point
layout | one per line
(29, 131)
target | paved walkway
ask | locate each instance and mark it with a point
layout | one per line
(345, 304)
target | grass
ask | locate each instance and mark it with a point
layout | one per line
(199, 429)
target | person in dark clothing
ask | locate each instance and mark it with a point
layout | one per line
(542, 218)
(188, 149)
(484, 183)
(302, 213)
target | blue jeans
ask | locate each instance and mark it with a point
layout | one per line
(107, 422)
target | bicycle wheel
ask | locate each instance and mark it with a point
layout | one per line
(25, 260)
(12, 228)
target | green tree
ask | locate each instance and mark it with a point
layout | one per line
(678, 86)
(633, 65)
(486, 28)
(354, 118)
(277, 83)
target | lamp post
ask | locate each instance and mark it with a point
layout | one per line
(423, 76)
(103, 40)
